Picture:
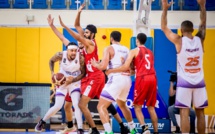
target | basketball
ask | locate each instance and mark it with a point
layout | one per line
(58, 79)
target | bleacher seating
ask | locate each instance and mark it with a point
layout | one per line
(73, 3)
(39, 4)
(114, 4)
(176, 5)
(20, 4)
(127, 4)
(190, 5)
(4, 4)
(156, 5)
(96, 5)
(58, 4)
(210, 5)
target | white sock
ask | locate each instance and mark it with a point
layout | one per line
(59, 100)
(131, 125)
(107, 127)
(78, 113)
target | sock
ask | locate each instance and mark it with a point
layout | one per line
(144, 126)
(69, 124)
(94, 129)
(131, 125)
(43, 121)
(107, 127)
(121, 125)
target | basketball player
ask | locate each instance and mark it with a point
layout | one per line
(95, 78)
(118, 85)
(68, 103)
(190, 74)
(145, 84)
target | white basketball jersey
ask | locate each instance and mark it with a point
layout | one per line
(190, 64)
(120, 56)
(70, 68)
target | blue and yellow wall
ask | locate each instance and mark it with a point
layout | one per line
(25, 54)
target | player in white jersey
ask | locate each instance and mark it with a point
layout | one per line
(68, 101)
(117, 86)
(190, 82)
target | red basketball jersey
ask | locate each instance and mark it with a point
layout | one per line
(144, 62)
(90, 69)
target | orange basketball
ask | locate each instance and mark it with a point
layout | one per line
(58, 79)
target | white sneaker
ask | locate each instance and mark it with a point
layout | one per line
(67, 130)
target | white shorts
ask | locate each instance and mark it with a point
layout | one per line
(184, 96)
(63, 90)
(117, 87)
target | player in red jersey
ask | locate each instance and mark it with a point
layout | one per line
(145, 83)
(95, 78)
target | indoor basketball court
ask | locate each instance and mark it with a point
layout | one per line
(28, 43)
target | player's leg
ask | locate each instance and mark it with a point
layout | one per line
(183, 101)
(83, 105)
(124, 85)
(102, 106)
(123, 128)
(192, 120)
(75, 95)
(68, 110)
(59, 100)
(200, 101)
(151, 98)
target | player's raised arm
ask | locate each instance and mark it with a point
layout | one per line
(57, 57)
(57, 33)
(78, 37)
(202, 27)
(77, 20)
(174, 38)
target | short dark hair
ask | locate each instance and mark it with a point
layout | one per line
(71, 43)
(92, 28)
(116, 35)
(187, 26)
(142, 38)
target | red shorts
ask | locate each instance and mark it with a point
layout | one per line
(93, 85)
(68, 98)
(145, 90)
(83, 83)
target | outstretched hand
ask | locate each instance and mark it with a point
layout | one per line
(81, 7)
(50, 20)
(61, 22)
(166, 5)
(94, 63)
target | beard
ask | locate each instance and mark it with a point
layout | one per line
(87, 37)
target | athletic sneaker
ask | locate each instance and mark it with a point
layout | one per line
(40, 126)
(134, 131)
(145, 129)
(67, 130)
(80, 131)
(124, 130)
(95, 132)
(108, 133)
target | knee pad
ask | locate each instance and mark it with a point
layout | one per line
(112, 109)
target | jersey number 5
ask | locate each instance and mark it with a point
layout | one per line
(148, 65)
(192, 61)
